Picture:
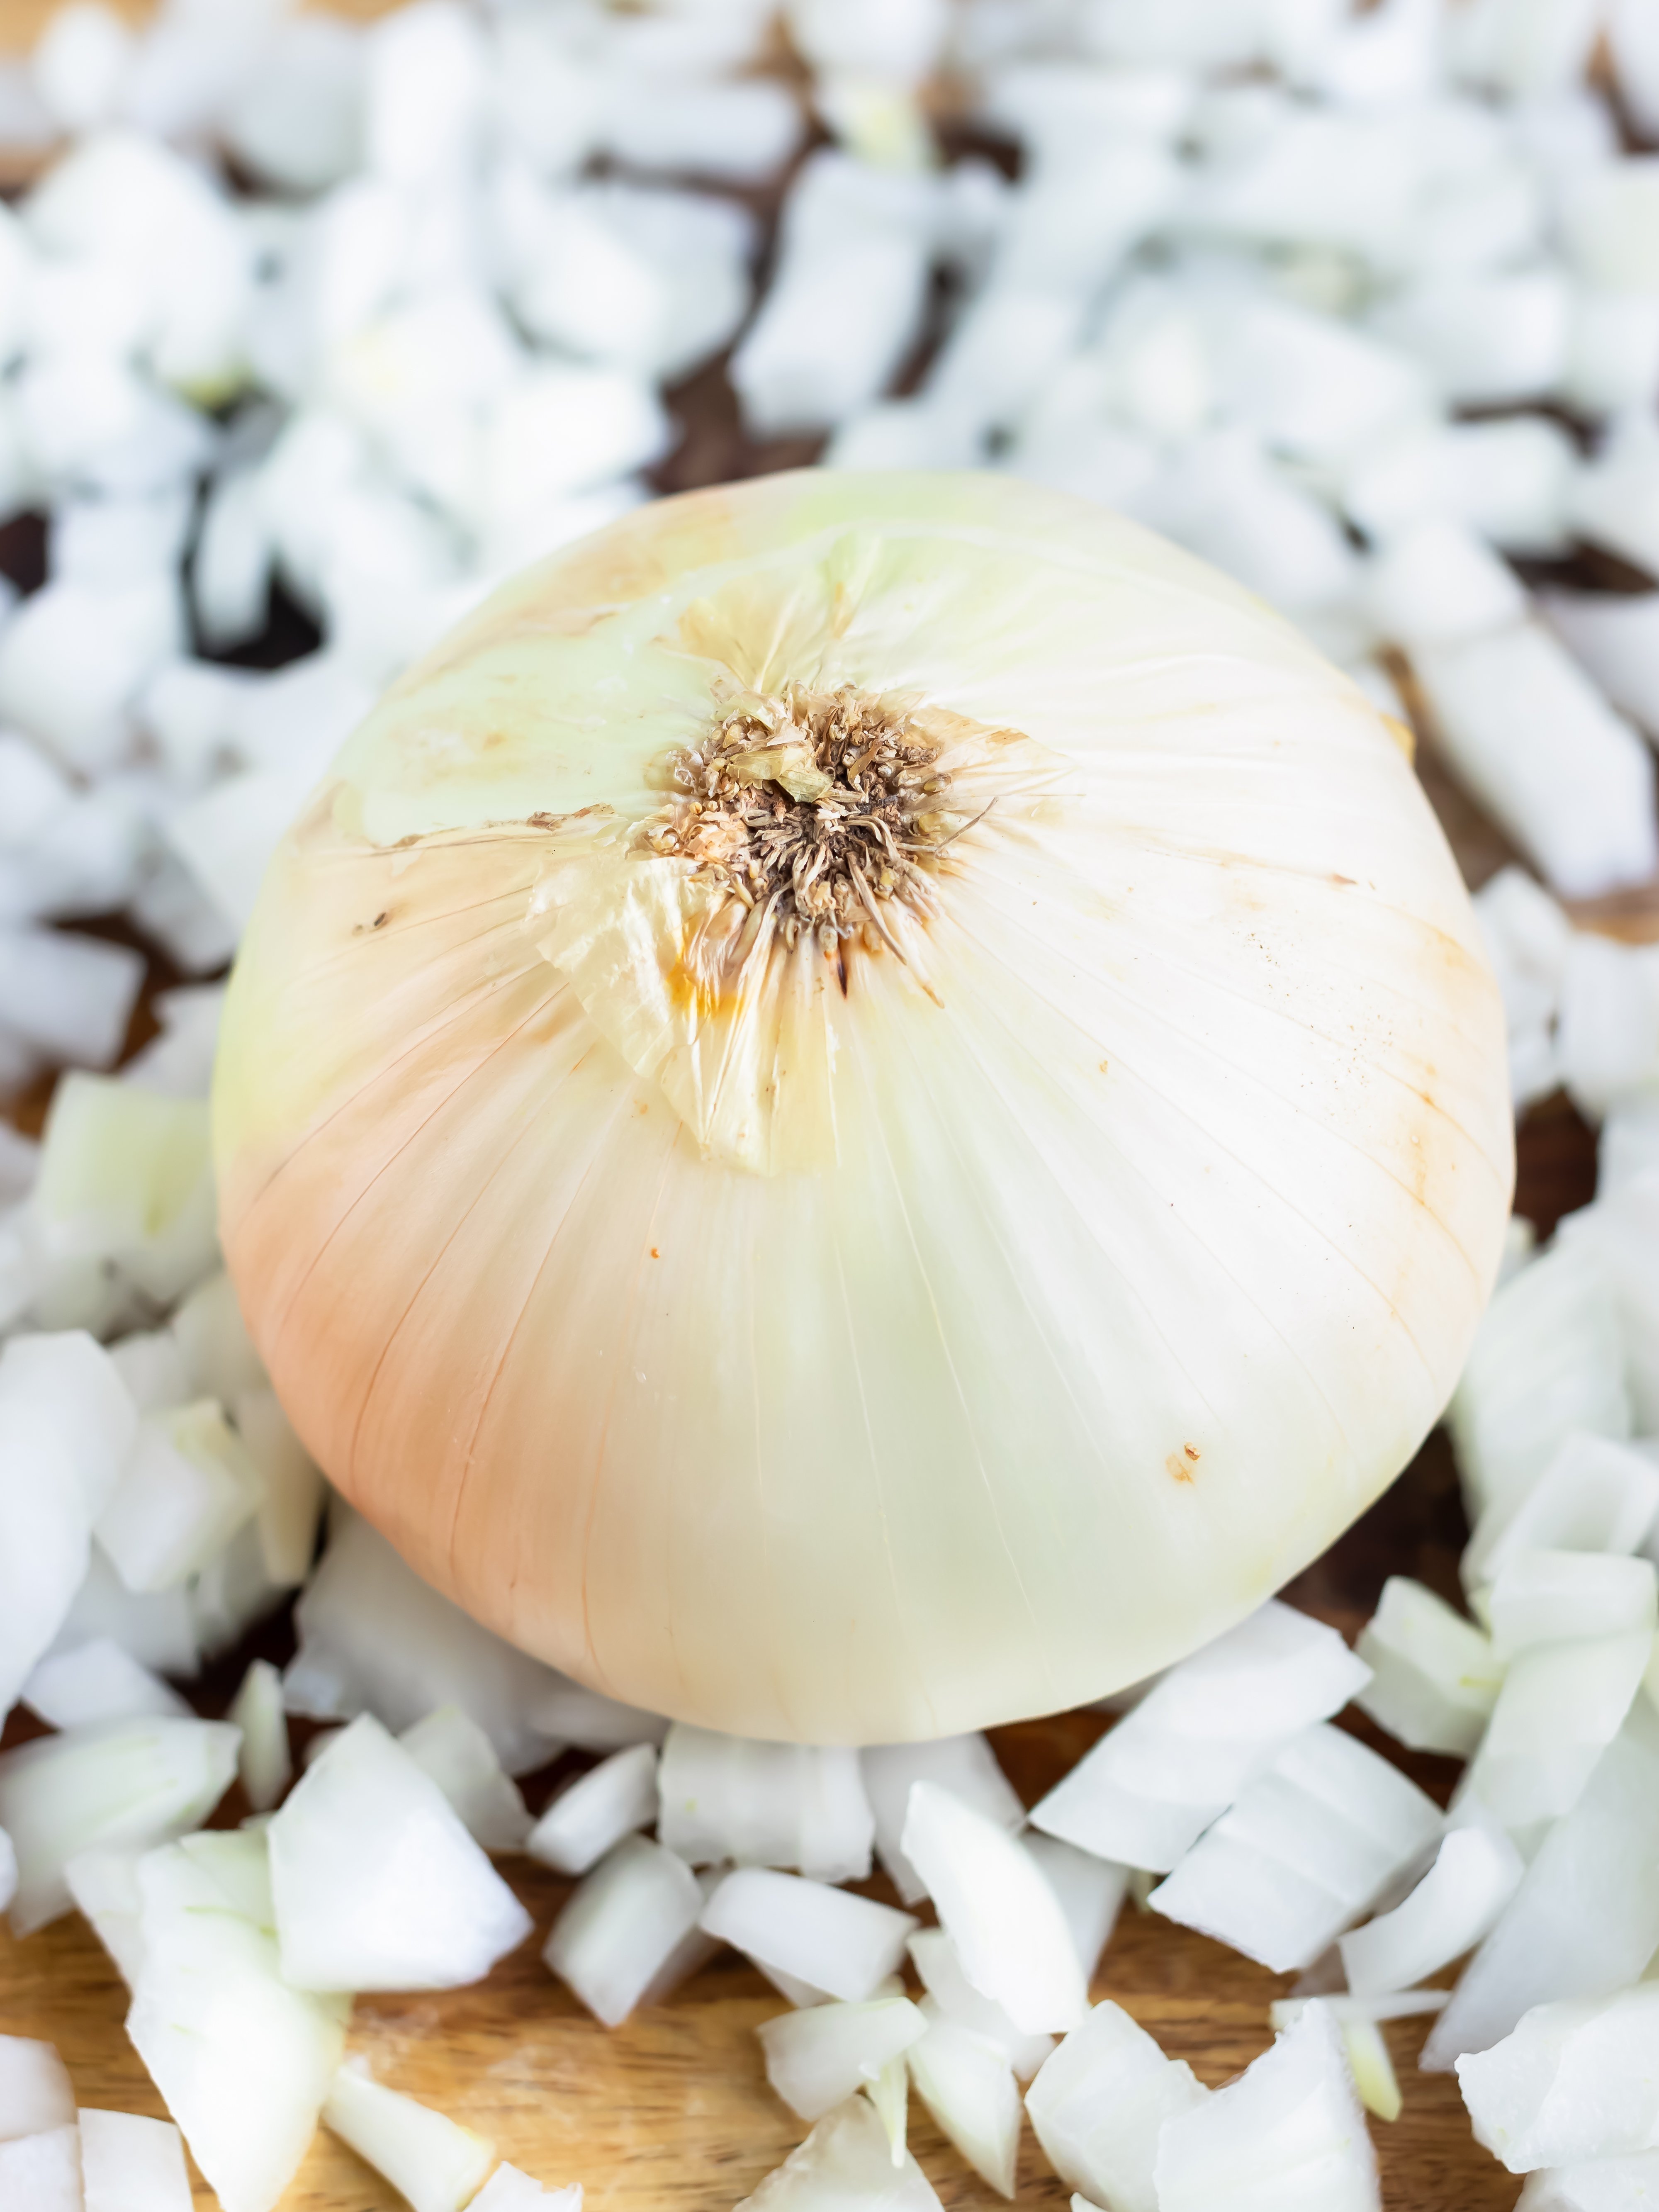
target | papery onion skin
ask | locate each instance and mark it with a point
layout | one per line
(1039, 1306)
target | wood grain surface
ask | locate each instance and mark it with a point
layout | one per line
(670, 2112)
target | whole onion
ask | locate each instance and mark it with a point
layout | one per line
(869, 1105)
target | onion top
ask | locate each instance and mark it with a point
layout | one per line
(869, 1105)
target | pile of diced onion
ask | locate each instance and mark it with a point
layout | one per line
(1362, 306)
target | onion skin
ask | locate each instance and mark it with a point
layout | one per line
(1054, 1297)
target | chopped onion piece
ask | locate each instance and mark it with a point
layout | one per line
(451, 1747)
(1633, 38)
(125, 1177)
(436, 2165)
(1560, 1706)
(693, 1951)
(187, 1488)
(1545, 753)
(969, 2087)
(1316, 387)
(1474, 1875)
(42, 2174)
(1595, 1495)
(843, 1944)
(1434, 1676)
(92, 1409)
(97, 1681)
(966, 1765)
(265, 1763)
(214, 1343)
(726, 1797)
(377, 1883)
(1585, 1920)
(622, 1926)
(854, 250)
(570, 1712)
(1613, 499)
(934, 1957)
(179, 1063)
(1606, 1033)
(1288, 2135)
(597, 1810)
(1486, 337)
(1530, 940)
(1099, 2105)
(45, 1539)
(815, 2058)
(1547, 1359)
(1616, 636)
(128, 1783)
(1305, 1851)
(1621, 1231)
(999, 1910)
(1545, 1596)
(1601, 2185)
(1372, 2068)
(243, 2061)
(237, 1863)
(291, 1500)
(35, 2093)
(1574, 2080)
(1225, 499)
(1090, 1893)
(1147, 1790)
(132, 2165)
(225, 837)
(847, 2160)
(890, 2093)
(8, 1871)
(158, 1627)
(1438, 581)
(1510, 479)
(149, 1365)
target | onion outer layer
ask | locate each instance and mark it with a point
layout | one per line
(859, 1364)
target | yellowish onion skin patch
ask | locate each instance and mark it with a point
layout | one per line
(945, 1311)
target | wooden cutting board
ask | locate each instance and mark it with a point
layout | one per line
(670, 2112)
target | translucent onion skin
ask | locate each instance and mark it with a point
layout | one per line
(850, 1365)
